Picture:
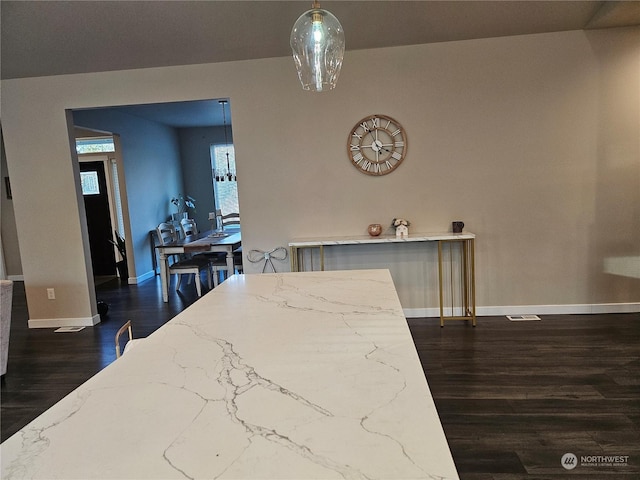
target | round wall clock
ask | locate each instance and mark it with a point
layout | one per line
(377, 145)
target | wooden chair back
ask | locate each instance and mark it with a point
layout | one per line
(231, 219)
(188, 226)
(182, 264)
(124, 328)
(166, 233)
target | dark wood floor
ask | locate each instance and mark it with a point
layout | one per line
(513, 397)
(44, 366)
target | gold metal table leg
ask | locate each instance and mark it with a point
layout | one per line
(293, 255)
(298, 257)
(472, 284)
(467, 281)
(440, 287)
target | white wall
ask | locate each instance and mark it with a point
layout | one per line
(510, 135)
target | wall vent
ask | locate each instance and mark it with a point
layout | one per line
(522, 318)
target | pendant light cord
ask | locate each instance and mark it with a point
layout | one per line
(229, 175)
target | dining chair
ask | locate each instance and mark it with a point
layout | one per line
(237, 259)
(130, 343)
(230, 219)
(217, 260)
(188, 226)
(219, 264)
(187, 265)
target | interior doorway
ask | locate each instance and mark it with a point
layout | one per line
(165, 144)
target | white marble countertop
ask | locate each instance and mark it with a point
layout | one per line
(357, 239)
(308, 375)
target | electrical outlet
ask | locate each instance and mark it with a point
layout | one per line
(51, 294)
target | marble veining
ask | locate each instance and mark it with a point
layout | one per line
(297, 375)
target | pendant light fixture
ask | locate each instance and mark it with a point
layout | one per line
(221, 177)
(317, 42)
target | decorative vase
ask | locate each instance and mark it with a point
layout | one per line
(374, 229)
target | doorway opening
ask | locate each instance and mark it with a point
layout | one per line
(103, 207)
(165, 149)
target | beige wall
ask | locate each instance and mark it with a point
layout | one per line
(512, 135)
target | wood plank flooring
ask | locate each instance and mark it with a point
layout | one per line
(44, 366)
(513, 397)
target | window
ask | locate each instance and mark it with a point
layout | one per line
(116, 196)
(89, 182)
(95, 145)
(225, 185)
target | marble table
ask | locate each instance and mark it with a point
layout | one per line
(464, 240)
(309, 375)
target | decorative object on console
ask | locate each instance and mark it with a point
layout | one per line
(377, 144)
(317, 43)
(457, 226)
(374, 229)
(402, 227)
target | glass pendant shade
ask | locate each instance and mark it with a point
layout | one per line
(317, 42)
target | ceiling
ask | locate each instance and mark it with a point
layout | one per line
(40, 38)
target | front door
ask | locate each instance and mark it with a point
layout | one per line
(96, 203)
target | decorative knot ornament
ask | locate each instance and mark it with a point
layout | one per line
(278, 253)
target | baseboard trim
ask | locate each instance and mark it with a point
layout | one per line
(421, 312)
(64, 322)
(141, 278)
(633, 307)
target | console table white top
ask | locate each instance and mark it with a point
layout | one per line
(358, 239)
(273, 376)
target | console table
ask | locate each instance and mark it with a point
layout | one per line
(465, 242)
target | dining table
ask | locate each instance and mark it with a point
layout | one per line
(225, 241)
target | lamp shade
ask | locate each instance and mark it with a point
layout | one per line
(317, 42)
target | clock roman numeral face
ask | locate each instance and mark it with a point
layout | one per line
(377, 145)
